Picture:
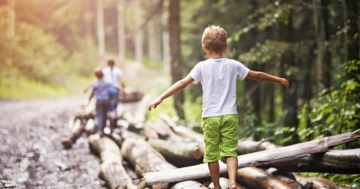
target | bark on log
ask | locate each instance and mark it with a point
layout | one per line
(253, 177)
(333, 161)
(162, 131)
(182, 130)
(133, 96)
(285, 177)
(180, 154)
(144, 158)
(318, 183)
(111, 169)
(140, 114)
(224, 183)
(76, 132)
(254, 159)
(188, 184)
(250, 146)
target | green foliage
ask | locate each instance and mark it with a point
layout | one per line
(335, 110)
(351, 180)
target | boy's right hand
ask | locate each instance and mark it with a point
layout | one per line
(284, 82)
(155, 103)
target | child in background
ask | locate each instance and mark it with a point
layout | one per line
(218, 76)
(100, 88)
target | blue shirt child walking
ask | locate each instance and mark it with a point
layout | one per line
(100, 88)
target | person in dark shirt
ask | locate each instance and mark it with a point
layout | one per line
(100, 88)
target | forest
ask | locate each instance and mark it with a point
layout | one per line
(50, 47)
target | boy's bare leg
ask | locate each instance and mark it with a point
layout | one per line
(215, 174)
(232, 167)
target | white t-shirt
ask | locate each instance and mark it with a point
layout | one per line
(112, 76)
(218, 79)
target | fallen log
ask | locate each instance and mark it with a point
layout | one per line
(111, 169)
(285, 177)
(224, 183)
(132, 96)
(188, 184)
(76, 131)
(250, 146)
(159, 129)
(333, 161)
(144, 159)
(254, 159)
(318, 183)
(180, 154)
(140, 115)
(182, 130)
(253, 177)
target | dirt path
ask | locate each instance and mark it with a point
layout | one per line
(31, 154)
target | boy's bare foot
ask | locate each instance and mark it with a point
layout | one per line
(233, 186)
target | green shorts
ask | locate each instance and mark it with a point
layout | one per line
(221, 137)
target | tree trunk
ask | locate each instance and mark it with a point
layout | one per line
(76, 131)
(188, 184)
(121, 30)
(183, 131)
(333, 161)
(144, 158)
(175, 53)
(100, 28)
(320, 43)
(224, 183)
(11, 18)
(139, 34)
(289, 97)
(254, 159)
(159, 129)
(250, 146)
(257, 178)
(111, 169)
(181, 154)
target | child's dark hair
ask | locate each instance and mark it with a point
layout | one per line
(98, 73)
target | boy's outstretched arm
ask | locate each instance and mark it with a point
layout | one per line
(176, 87)
(264, 77)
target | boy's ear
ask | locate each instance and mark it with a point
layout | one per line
(225, 48)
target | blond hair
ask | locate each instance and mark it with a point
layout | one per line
(214, 39)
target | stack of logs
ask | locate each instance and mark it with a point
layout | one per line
(166, 155)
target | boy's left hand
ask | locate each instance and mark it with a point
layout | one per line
(284, 82)
(155, 103)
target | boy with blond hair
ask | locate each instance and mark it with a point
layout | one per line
(218, 76)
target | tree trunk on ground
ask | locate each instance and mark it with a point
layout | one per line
(333, 161)
(159, 129)
(183, 131)
(121, 30)
(76, 131)
(250, 146)
(111, 169)
(181, 154)
(175, 53)
(188, 184)
(257, 178)
(140, 113)
(144, 158)
(100, 28)
(318, 183)
(224, 183)
(254, 159)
